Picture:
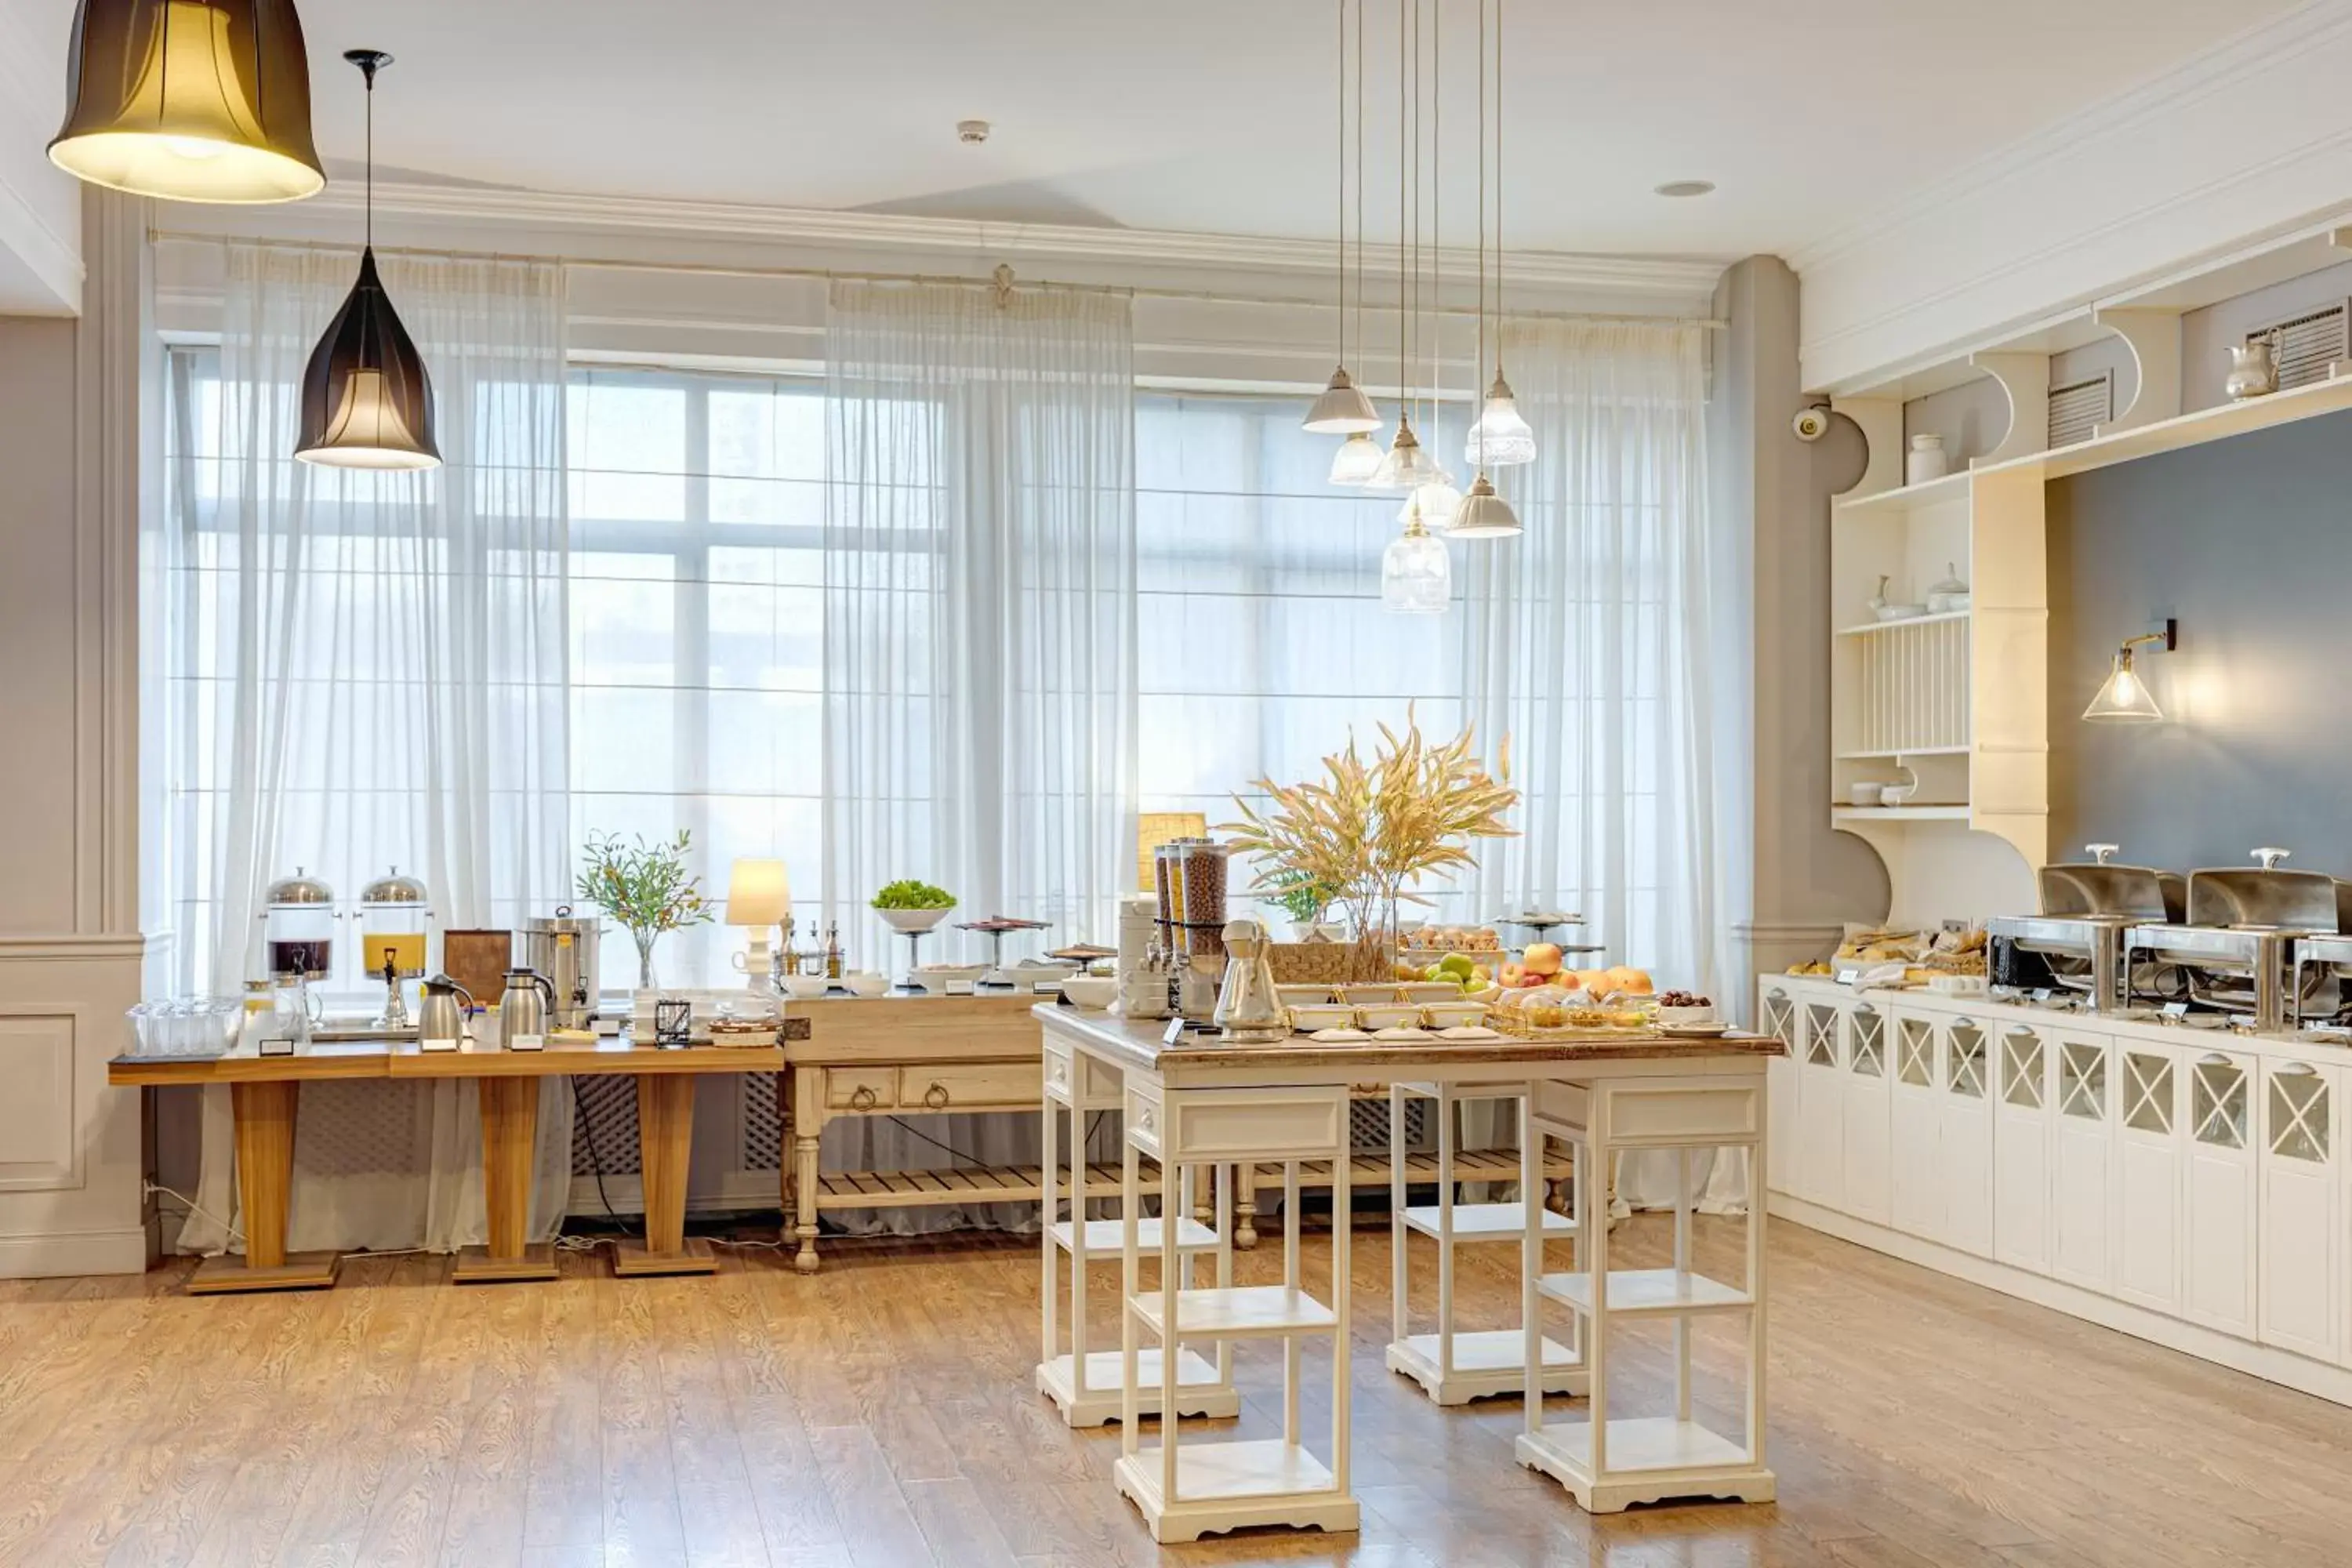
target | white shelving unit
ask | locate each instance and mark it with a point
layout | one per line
(1453, 1366)
(1082, 1382)
(1965, 702)
(1608, 1461)
(1185, 1490)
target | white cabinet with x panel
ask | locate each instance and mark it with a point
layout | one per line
(2189, 1184)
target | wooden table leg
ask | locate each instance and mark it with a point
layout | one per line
(665, 1138)
(808, 1131)
(510, 1143)
(265, 1180)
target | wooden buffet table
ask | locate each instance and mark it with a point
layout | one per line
(265, 1092)
(1203, 1100)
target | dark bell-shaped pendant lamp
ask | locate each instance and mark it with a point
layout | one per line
(192, 100)
(367, 402)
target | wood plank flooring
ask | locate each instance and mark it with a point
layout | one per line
(879, 1415)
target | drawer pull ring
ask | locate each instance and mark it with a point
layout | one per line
(934, 1097)
(863, 1098)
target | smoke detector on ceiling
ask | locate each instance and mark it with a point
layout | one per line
(972, 131)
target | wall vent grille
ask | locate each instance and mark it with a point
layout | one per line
(2308, 345)
(2079, 408)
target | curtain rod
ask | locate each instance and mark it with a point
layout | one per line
(828, 274)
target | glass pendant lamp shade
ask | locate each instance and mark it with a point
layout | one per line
(1483, 514)
(2124, 698)
(1342, 409)
(1438, 502)
(1416, 573)
(192, 101)
(1406, 467)
(1499, 437)
(1357, 460)
(367, 402)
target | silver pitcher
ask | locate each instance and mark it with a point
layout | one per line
(440, 1019)
(1248, 1007)
(525, 1010)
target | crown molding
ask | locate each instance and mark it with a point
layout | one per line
(556, 215)
(2227, 66)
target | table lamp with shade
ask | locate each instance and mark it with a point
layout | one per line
(759, 897)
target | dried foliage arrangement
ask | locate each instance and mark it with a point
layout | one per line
(1372, 831)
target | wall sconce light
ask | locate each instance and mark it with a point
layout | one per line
(2124, 698)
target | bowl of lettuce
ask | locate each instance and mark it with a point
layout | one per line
(911, 905)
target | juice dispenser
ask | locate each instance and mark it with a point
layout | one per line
(394, 917)
(298, 927)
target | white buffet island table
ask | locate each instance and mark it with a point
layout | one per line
(2190, 1185)
(1200, 1101)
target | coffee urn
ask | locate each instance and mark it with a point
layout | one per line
(562, 949)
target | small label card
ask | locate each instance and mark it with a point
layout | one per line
(2175, 1009)
(1173, 1033)
(2043, 994)
(436, 1042)
(276, 1045)
(526, 1042)
(1045, 987)
(963, 988)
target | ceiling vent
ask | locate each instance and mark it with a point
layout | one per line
(2080, 407)
(2308, 345)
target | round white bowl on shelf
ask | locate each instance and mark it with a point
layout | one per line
(938, 976)
(1089, 991)
(1901, 612)
(806, 987)
(914, 920)
(866, 982)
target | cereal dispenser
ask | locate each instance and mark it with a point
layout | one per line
(394, 921)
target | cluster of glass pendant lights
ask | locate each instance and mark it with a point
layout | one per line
(1416, 573)
(209, 100)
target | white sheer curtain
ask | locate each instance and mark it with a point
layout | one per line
(979, 689)
(370, 670)
(1587, 639)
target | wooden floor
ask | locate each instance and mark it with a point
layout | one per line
(880, 1414)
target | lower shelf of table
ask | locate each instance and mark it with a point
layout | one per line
(1647, 1292)
(1241, 1311)
(1486, 1222)
(1234, 1486)
(1026, 1184)
(1649, 1457)
(1487, 1362)
(1199, 1390)
(1107, 1238)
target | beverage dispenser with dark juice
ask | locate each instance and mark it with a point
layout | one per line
(297, 928)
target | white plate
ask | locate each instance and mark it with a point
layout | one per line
(1402, 1034)
(1338, 1036)
(1466, 1033)
(1695, 1031)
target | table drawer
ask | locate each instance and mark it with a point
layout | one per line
(968, 1086)
(1082, 1080)
(860, 1089)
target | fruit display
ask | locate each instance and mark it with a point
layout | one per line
(1454, 938)
(1455, 968)
(1683, 999)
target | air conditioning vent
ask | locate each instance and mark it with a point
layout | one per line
(2308, 345)
(2079, 408)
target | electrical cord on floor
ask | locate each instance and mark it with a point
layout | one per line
(149, 1189)
(588, 1134)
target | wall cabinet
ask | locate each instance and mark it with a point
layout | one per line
(2082, 1163)
(2202, 1176)
(2023, 1114)
(1867, 1129)
(2301, 1247)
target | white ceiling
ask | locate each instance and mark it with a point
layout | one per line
(1217, 116)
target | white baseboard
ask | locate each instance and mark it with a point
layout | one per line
(2266, 1361)
(119, 1251)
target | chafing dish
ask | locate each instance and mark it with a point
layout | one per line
(2322, 966)
(2236, 951)
(2077, 942)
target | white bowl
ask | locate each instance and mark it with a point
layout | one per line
(1095, 990)
(1677, 1017)
(806, 987)
(914, 920)
(1389, 1015)
(1901, 612)
(1455, 1015)
(866, 982)
(937, 976)
(1309, 1017)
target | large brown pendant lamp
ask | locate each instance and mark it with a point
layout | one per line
(367, 402)
(192, 100)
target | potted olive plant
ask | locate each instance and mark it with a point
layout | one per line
(646, 887)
